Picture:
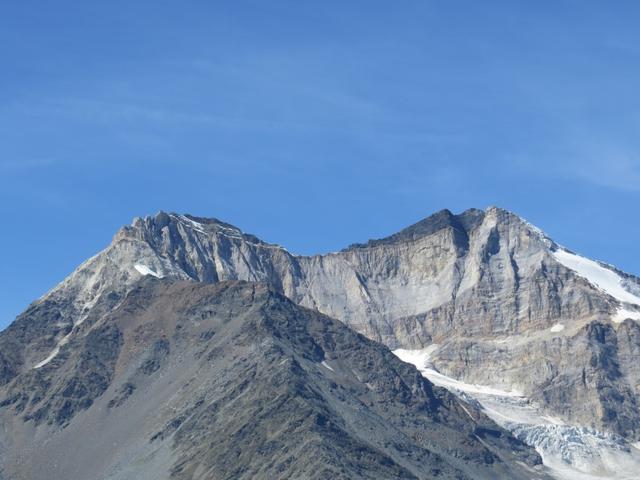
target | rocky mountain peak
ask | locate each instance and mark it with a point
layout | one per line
(163, 220)
(463, 224)
(428, 226)
(490, 298)
(168, 228)
(476, 276)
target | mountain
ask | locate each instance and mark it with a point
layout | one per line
(479, 298)
(188, 380)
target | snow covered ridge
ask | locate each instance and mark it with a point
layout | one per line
(600, 275)
(570, 452)
(197, 226)
(539, 233)
(603, 278)
(220, 227)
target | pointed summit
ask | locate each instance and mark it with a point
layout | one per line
(464, 222)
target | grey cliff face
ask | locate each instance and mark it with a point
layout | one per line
(495, 298)
(195, 381)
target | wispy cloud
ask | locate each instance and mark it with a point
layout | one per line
(612, 168)
(20, 165)
(21, 180)
(600, 159)
(602, 164)
(115, 112)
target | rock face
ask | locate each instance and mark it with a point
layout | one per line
(503, 304)
(188, 380)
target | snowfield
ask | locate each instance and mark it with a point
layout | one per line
(421, 359)
(603, 278)
(570, 452)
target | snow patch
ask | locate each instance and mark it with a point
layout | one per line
(622, 314)
(422, 360)
(227, 231)
(197, 226)
(466, 410)
(63, 341)
(144, 270)
(538, 232)
(601, 277)
(326, 365)
(558, 327)
(51, 356)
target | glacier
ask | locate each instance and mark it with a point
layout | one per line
(570, 452)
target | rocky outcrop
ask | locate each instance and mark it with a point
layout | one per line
(194, 381)
(485, 286)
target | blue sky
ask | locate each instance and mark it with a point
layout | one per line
(312, 124)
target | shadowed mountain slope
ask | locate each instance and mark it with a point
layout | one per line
(188, 380)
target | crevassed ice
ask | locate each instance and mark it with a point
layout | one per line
(570, 452)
